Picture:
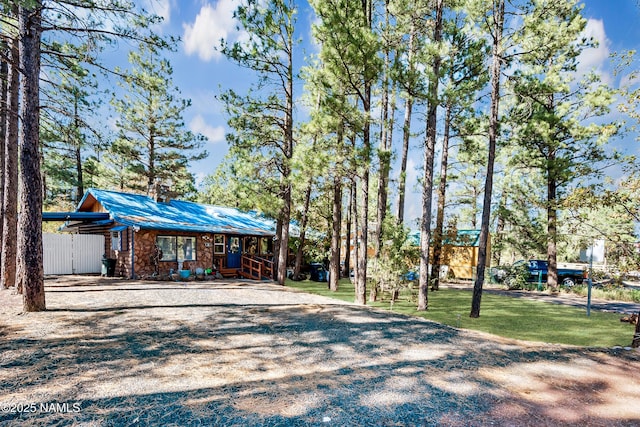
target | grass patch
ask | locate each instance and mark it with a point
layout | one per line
(505, 316)
(611, 293)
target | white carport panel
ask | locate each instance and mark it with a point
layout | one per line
(57, 253)
(88, 250)
(72, 253)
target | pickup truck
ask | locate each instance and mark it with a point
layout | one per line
(567, 277)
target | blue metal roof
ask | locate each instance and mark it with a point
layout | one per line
(142, 211)
(463, 238)
(74, 216)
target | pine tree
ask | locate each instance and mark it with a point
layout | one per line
(262, 122)
(30, 273)
(153, 145)
(349, 54)
(10, 168)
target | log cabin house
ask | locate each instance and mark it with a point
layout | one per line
(145, 237)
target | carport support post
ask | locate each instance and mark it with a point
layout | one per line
(134, 229)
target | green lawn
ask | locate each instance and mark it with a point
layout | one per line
(501, 315)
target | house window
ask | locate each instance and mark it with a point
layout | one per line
(186, 248)
(168, 246)
(177, 248)
(116, 240)
(234, 245)
(266, 246)
(251, 245)
(218, 244)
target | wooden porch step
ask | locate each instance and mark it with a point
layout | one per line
(228, 272)
(247, 275)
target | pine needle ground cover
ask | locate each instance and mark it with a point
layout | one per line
(501, 315)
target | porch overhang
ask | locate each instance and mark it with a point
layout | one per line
(74, 216)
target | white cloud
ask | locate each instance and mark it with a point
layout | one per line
(213, 133)
(161, 8)
(202, 37)
(594, 58)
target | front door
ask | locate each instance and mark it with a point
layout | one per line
(234, 251)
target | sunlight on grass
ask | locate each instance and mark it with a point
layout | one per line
(509, 317)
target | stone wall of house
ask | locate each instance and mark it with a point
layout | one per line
(145, 241)
(122, 257)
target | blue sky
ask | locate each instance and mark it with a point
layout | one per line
(201, 72)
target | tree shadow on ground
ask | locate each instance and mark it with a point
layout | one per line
(289, 364)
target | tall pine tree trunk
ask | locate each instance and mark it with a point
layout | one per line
(286, 167)
(356, 233)
(4, 69)
(429, 154)
(552, 232)
(493, 135)
(10, 201)
(276, 248)
(442, 190)
(31, 275)
(285, 215)
(346, 272)
(496, 242)
(406, 136)
(552, 213)
(78, 153)
(303, 230)
(336, 235)
(363, 235)
(384, 151)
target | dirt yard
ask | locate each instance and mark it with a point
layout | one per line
(110, 352)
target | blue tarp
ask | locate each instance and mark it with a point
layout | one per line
(142, 211)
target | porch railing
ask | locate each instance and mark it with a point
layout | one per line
(257, 267)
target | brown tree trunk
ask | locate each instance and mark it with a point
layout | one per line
(78, 154)
(442, 190)
(4, 69)
(429, 154)
(493, 135)
(496, 242)
(363, 234)
(336, 235)
(552, 216)
(636, 337)
(356, 233)
(552, 252)
(346, 272)
(303, 231)
(10, 200)
(30, 276)
(384, 152)
(285, 215)
(276, 248)
(406, 137)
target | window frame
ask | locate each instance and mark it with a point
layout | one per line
(176, 252)
(182, 248)
(217, 244)
(116, 240)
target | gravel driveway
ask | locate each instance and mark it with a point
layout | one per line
(117, 353)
